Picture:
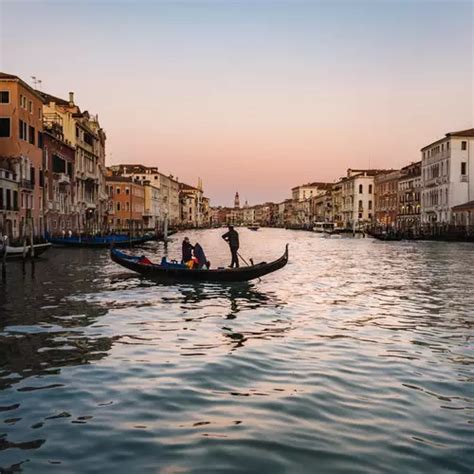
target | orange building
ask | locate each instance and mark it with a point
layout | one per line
(21, 141)
(126, 204)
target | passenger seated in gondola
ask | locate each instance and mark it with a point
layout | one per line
(187, 251)
(200, 257)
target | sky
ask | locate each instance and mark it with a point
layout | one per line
(253, 96)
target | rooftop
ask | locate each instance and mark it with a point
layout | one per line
(464, 207)
(461, 133)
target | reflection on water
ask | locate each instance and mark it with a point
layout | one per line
(357, 356)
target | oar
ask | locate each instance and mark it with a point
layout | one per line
(243, 259)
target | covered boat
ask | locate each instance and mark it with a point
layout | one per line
(23, 251)
(100, 242)
(169, 272)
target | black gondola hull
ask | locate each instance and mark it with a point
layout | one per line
(171, 275)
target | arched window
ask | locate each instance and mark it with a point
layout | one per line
(361, 188)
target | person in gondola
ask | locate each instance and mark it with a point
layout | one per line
(187, 250)
(200, 256)
(232, 238)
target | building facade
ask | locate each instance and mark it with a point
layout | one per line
(126, 204)
(309, 190)
(83, 132)
(60, 213)
(409, 195)
(357, 198)
(386, 198)
(21, 142)
(447, 176)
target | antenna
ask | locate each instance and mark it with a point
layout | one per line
(36, 81)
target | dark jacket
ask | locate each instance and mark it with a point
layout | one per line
(232, 237)
(200, 255)
(187, 251)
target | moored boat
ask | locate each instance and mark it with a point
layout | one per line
(253, 227)
(174, 272)
(23, 251)
(100, 242)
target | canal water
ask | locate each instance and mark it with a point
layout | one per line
(356, 357)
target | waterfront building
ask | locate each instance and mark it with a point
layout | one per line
(357, 198)
(126, 204)
(191, 206)
(82, 131)
(169, 205)
(463, 216)
(336, 204)
(309, 190)
(409, 194)
(21, 142)
(9, 189)
(447, 176)
(321, 208)
(386, 198)
(60, 212)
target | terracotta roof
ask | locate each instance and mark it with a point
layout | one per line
(464, 207)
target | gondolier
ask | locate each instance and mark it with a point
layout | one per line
(232, 238)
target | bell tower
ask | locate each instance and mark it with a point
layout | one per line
(237, 201)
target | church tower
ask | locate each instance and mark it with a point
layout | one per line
(237, 201)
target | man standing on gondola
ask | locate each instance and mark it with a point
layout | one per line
(232, 238)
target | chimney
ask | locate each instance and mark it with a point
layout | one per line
(71, 98)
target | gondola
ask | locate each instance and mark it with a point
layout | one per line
(100, 242)
(170, 272)
(253, 227)
(23, 251)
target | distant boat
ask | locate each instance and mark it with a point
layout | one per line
(19, 252)
(175, 272)
(323, 227)
(253, 227)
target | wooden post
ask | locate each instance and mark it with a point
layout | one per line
(32, 248)
(4, 256)
(165, 228)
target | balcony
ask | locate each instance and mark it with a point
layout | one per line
(26, 184)
(63, 178)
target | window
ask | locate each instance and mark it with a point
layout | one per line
(127, 206)
(463, 168)
(370, 205)
(361, 188)
(4, 127)
(30, 107)
(32, 176)
(40, 139)
(463, 145)
(370, 189)
(118, 190)
(31, 134)
(360, 215)
(118, 206)
(4, 97)
(15, 200)
(127, 191)
(360, 204)
(39, 112)
(447, 145)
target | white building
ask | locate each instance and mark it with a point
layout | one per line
(447, 173)
(309, 190)
(357, 198)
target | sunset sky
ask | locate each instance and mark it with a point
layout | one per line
(253, 96)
